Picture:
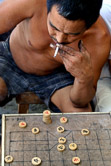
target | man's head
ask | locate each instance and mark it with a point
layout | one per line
(68, 19)
(87, 10)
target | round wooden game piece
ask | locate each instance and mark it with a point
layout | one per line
(62, 140)
(36, 161)
(8, 159)
(46, 113)
(35, 130)
(72, 146)
(63, 120)
(47, 117)
(76, 160)
(85, 132)
(60, 147)
(47, 121)
(22, 124)
(60, 129)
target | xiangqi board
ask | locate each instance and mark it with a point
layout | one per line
(93, 149)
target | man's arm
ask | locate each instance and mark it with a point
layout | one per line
(85, 66)
(13, 12)
(78, 63)
(99, 53)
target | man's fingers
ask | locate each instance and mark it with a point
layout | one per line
(81, 46)
(53, 46)
(67, 50)
(61, 49)
(83, 49)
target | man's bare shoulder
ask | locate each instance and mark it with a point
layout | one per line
(28, 6)
(12, 12)
(98, 32)
(97, 41)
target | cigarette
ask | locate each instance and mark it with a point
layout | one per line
(56, 51)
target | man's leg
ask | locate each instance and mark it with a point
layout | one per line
(3, 90)
(4, 98)
(4, 36)
(12, 80)
(61, 99)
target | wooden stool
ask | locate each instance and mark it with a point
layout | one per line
(23, 100)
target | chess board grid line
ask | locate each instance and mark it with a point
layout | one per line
(64, 130)
(51, 149)
(87, 151)
(109, 137)
(23, 148)
(54, 140)
(74, 140)
(100, 148)
(53, 146)
(48, 146)
(60, 161)
(35, 146)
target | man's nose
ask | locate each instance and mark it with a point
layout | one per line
(61, 37)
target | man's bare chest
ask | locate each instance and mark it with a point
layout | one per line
(34, 53)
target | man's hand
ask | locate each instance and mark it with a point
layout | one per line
(77, 63)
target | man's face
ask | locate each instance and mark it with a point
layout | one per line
(64, 31)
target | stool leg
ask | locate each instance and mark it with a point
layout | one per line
(23, 108)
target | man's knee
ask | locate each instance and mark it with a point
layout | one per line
(66, 106)
(3, 90)
(63, 102)
(72, 109)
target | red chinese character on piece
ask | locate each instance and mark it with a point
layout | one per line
(75, 159)
(63, 119)
(22, 124)
(47, 112)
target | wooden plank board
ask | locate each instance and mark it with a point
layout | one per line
(23, 145)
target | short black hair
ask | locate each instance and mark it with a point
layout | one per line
(87, 10)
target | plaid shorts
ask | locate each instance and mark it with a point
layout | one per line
(18, 81)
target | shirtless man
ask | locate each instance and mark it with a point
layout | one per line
(68, 81)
